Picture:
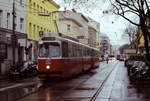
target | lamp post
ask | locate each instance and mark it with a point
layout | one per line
(13, 35)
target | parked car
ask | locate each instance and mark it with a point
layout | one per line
(23, 69)
(129, 61)
(139, 71)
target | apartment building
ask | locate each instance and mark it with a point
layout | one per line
(6, 27)
(74, 24)
(41, 15)
(94, 27)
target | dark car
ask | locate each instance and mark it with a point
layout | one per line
(23, 69)
(139, 71)
(129, 62)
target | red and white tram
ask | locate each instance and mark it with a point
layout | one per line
(63, 57)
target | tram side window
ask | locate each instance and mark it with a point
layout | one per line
(84, 51)
(92, 53)
(69, 50)
(74, 50)
(65, 49)
(78, 51)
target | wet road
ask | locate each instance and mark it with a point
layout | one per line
(81, 88)
(109, 82)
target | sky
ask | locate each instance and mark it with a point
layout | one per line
(113, 26)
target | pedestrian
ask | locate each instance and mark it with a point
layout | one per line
(107, 60)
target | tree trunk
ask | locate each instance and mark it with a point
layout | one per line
(145, 34)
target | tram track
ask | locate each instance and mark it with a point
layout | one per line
(61, 98)
(101, 86)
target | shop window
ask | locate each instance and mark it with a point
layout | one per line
(3, 51)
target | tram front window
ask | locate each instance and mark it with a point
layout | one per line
(49, 50)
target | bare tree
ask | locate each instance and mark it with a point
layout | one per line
(139, 8)
(131, 31)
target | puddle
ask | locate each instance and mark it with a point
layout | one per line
(18, 92)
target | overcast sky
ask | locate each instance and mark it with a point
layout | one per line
(110, 24)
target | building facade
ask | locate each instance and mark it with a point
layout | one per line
(73, 24)
(41, 16)
(6, 27)
(105, 45)
(95, 26)
(92, 37)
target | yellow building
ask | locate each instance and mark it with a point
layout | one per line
(36, 23)
(141, 41)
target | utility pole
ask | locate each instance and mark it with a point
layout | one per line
(13, 35)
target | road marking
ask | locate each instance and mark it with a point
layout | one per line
(17, 85)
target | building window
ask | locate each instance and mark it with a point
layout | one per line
(38, 8)
(30, 6)
(8, 20)
(1, 17)
(21, 23)
(30, 29)
(38, 29)
(34, 31)
(41, 10)
(20, 2)
(34, 7)
(68, 27)
(3, 51)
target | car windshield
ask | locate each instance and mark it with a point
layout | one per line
(49, 50)
(136, 63)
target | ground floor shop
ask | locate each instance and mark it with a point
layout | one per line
(6, 49)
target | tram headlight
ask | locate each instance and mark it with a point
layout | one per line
(48, 67)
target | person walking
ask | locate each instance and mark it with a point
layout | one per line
(107, 60)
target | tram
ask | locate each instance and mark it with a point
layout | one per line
(62, 57)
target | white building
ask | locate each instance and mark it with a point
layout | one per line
(95, 25)
(6, 26)
(73, 24)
